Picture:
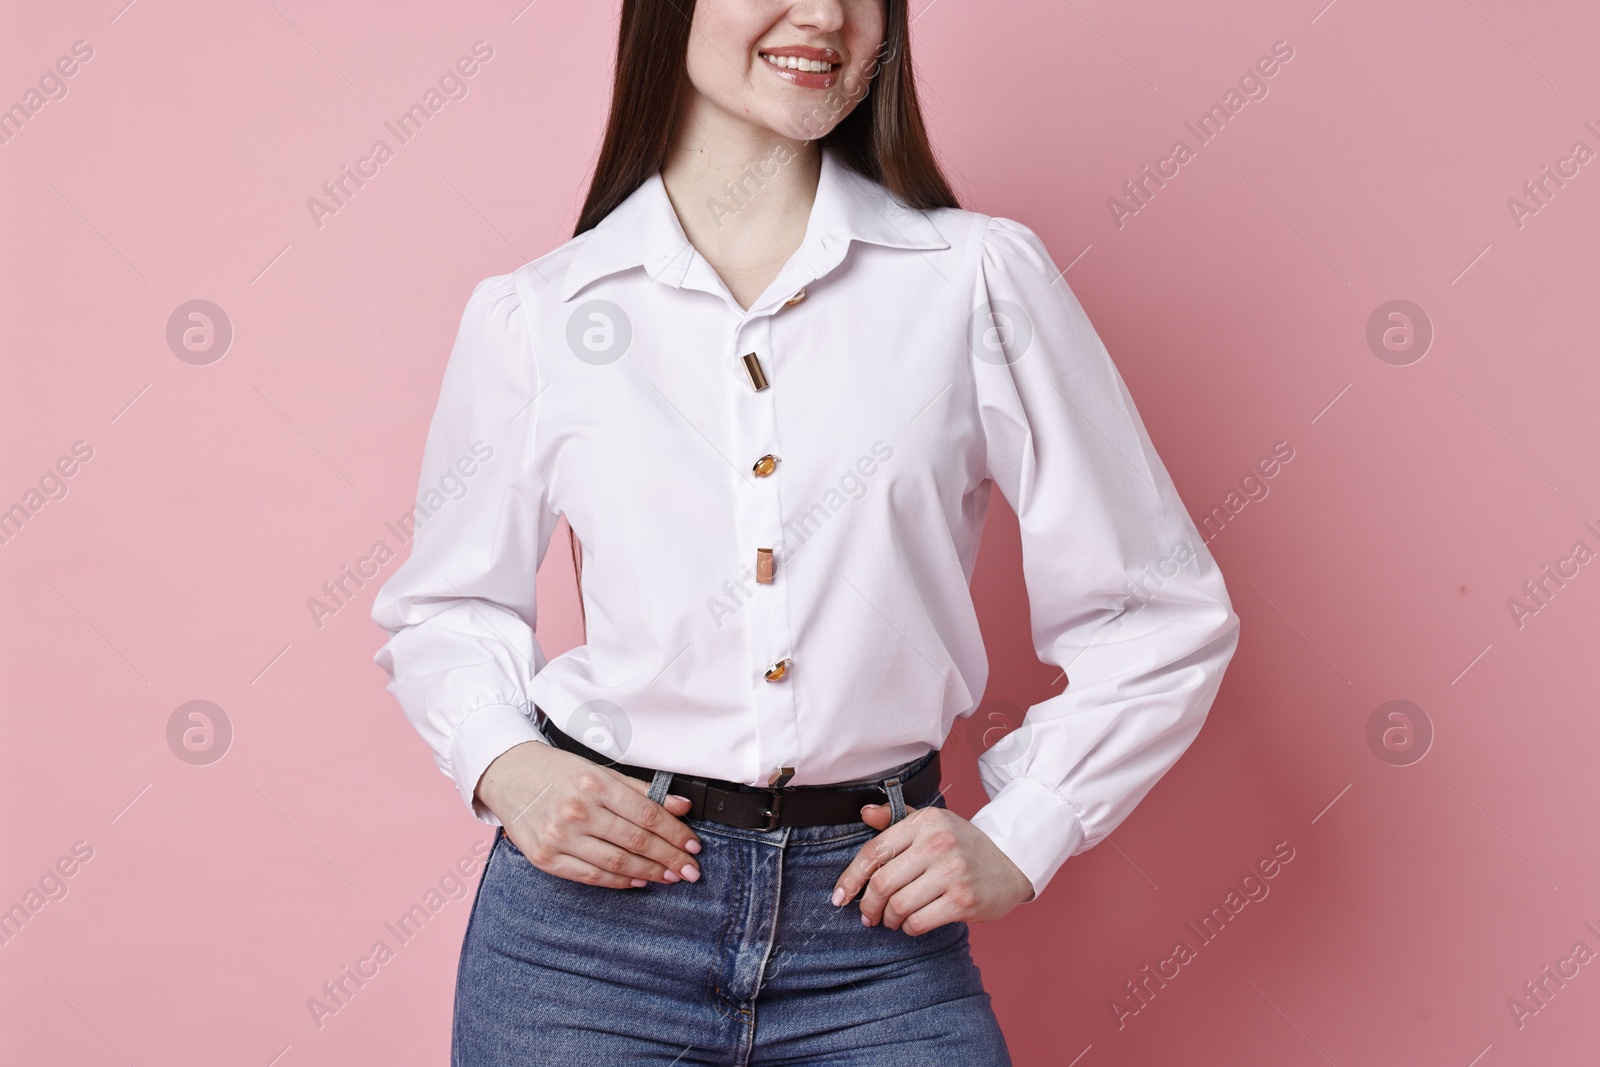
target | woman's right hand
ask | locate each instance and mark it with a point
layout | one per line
(575, 819)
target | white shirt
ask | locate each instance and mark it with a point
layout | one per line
(604, 382)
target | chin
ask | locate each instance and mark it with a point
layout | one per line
(802, 124)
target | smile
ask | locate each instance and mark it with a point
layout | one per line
(808, 66)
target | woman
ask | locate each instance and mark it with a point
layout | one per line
(769, 383)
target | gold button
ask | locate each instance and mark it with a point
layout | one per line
(777, 670)
(765, 465)
(764, 566)
(795, 299)
(752, 370)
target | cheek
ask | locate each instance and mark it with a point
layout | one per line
(865, 30)
(711, 74)
(720, 45)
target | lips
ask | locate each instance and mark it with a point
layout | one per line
(811, 66)
(803, 65)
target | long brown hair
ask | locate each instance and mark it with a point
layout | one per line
(884, 139)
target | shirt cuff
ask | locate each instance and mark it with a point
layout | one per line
(1034, 826)
(479, 741)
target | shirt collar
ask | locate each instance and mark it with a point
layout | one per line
(643, 231)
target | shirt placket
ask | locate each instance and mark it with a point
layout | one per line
(774, 666)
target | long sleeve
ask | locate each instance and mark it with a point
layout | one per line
(460, 610)
(1123, 594)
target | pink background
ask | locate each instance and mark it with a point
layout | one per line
(218, 498)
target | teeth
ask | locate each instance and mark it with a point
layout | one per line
(810, 66)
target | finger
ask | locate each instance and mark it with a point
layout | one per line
(635, 805)
(615, 860)
(879, 816)
(868, 858)
(888, 880)
(558, 861)
(609, 826)
(677, 805)
(931, 916)
(578, 870)
(674, 803)
(909, 898)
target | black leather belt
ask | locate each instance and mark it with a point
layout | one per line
(736, 804)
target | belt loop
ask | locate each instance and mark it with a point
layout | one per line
(897, 799)
(659, 784)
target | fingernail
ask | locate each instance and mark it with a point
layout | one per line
(637, 883)
(864, 920)
(838, 896)
(693, 846)
(691, 872)
(671, 876)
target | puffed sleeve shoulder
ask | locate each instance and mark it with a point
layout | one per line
(460, 611)
(1123, 594)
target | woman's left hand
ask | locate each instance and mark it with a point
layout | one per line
(932, 867)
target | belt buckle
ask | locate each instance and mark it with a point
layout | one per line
(771, 811)
(775, 781)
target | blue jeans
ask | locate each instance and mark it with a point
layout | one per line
(752, 964)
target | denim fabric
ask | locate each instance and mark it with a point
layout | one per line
(750, 965)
